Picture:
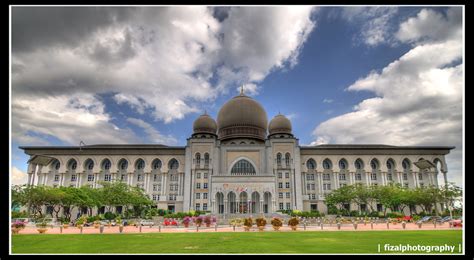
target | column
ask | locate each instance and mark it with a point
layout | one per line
(384, 181)
(415, 179)
(261, 206)
(320, 183)
(226, 207)
(367, 180)
(61, 180)
(30, 178)
(445, 176)
(179, 184)
(79, 179)
(162, 184)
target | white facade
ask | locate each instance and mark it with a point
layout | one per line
(238, 174)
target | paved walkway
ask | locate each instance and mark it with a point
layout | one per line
(269, 228)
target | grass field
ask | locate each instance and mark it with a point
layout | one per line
(238, 242)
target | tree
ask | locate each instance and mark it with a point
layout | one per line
(341, 196)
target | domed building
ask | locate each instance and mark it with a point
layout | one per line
(239, 164)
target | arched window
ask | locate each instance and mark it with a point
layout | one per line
(72, 165)
(311, 164)
(156, 164)
(173, 164)
(55, 164)
(374, 164)
(123, 164)
(206, 159)
(243, 167)
(106, 164)
(287, 159)
(279, 159)
(89, 164)
(327, 164)
(140, 164)
(359, 164)
(198, 159)
(406, 164)
(390, 165)
(342, 164)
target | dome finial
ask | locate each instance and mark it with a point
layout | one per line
(242, 90)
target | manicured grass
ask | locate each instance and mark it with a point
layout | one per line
(238, 242)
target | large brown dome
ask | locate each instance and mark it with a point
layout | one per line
(279, 125)
(242, 116)
(204, 124)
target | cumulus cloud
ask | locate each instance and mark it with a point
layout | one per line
(69, 118)
(375, 26)
(18, 177)
(418, 97)
(162, 61)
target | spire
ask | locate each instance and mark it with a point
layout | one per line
(242, 90)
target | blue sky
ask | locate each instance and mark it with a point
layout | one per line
(143, 75)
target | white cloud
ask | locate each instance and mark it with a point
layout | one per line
(18, 177)
(418, 99)
(374, 23)
(153, 135)
(422, 27)
(68, 118)
(328, 100)
(157, 60)
(250, 89)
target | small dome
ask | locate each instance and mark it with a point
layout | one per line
(242, 116)
(279, 125)
(204, 124)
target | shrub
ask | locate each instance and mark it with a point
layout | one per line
(293, 221)
(18, 224)
(198, 220)
(248, 222)
(395, 215)
(109, 215)
(261, 222)
(186, 220)
(236, 222)
(41, 225)
(24, 214)
(276, 222)
(207, 220)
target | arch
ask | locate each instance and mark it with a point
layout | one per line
(243, 167)
(374, 164)
(220, 202)
(55, 165)
(206, 159)
(89, 164)
(311, 164)
(278, 159)
(156, 164)
(105, 164)
(287, 159)
(359, 164)
(122, 164)
(406, 164)
(197, 156)
(439, 164)
(343, 164)
(231, 200)
(391, 165)
(173, 164)
(327, 164)
(72, 164)
(139, 164)
(243, 142)
(255, 202)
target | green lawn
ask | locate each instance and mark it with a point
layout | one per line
(238, 242)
